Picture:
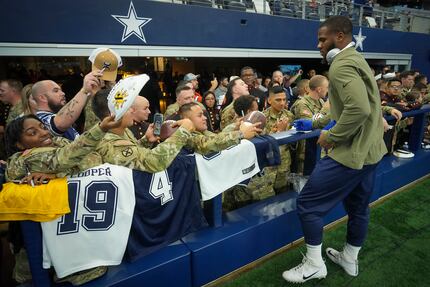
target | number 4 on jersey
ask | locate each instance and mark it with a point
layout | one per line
(161, 187)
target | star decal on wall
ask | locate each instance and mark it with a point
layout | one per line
(359, 40)
(132, 24)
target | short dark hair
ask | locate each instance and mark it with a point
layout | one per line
(14, 131)
(419, 86)
(243, 104)
(338, 24)
(390, 81)
(246, 68)
(13, 84)
(276, 90)
(100, 103)
(419, 77)
(412, 96)
(179, 89)
(186, 108)
(406, 74)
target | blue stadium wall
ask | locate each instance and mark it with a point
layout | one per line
(91, 22)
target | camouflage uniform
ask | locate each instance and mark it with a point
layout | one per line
(171, 109)
(208, 142)
(283, 169)
(125, 150)
(403, 94)
(63, 159)
(262, 185)
(15, 112)
(90, 117)
(228, 116)
(308, 108)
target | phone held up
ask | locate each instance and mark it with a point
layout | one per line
(158, 121)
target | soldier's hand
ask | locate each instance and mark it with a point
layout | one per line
(92, 82)
(186, 123)
(150, 134)
(109, 123)
(282, 125)
(397, 114)
(249, 130)
(409, 121)
(38, 178)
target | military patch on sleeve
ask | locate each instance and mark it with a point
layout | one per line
(127, 152)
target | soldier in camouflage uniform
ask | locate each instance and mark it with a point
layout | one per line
(32, 149)
(204, 141)
(90, 117)
(235, 89)
(312, 107)
(120, 147)
(407, 80)
(14, 112)
(279, 119)
(10, 93)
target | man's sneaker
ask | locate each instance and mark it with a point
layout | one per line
(305, 271)
(350, 266)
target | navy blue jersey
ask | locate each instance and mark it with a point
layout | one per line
(48, 119)
(167, 207)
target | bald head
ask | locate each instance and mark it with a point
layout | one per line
(48, 96)
(40, 88)
(140, 109)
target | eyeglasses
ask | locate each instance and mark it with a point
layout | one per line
(396, 87)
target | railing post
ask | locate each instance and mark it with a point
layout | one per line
(416, 132)
(381, 25)
(304, 10)
(213, 211)
(360, 18)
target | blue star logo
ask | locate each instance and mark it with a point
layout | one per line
(132, 24)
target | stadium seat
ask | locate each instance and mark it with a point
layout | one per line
(234, 5)
(204, 3)
(371, 22)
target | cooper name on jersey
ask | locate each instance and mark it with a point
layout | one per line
(94, 172)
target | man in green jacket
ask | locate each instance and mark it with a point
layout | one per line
(347, 173)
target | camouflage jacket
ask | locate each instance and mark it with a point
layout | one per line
(15, 112)
(227, 116)
(90, 117)
(309, 108)
(64, 158)
(208, 142)
(125, 150)
(272, 118)
(171, 109)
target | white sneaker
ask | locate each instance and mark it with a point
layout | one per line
(350, 267)
(305, 271)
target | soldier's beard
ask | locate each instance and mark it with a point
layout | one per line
(55, 108)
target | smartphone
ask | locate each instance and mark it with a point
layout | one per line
(158, 121)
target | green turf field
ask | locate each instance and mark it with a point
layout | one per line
(396, 252)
